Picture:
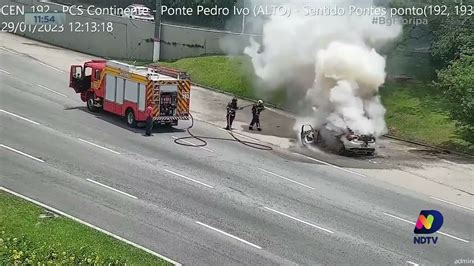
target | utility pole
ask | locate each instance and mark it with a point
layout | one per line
(157, 37)
(243, 17)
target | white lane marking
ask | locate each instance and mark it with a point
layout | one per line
(187, 178)
(229, 235)
(46, 65)
(8, 50)
(455, 237)
(4, 71)
(439, 232)
(398, 218)
(190, 143)
(412, 263)
(89, 225)
(98, 146)
(332, 165)
(22, 153)
(21, 117)
(285, 178)
(460, 206)
(53, 91)
(111, 188)
(41, 63)
(299, 220)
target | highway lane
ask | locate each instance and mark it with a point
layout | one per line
(162, 149)
(137, 220)
(177, 196)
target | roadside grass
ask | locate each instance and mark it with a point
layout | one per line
(415, 111)
(233, 74)
(27, 238)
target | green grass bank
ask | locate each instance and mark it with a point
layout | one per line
(415, 111)
(231, 74)
(29, 235)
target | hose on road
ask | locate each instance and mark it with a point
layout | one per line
(203, 142)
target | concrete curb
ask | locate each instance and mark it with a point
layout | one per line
(240, 97)
(428, 146)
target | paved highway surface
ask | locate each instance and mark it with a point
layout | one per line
(222, 204)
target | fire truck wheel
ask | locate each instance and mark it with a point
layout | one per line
(90, 104)
(130, 116)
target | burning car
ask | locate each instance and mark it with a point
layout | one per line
(347, 142)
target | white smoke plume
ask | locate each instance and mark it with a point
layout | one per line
(331, 61)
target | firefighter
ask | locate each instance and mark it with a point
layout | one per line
(256, 110)
(231, 108)
(149, 120)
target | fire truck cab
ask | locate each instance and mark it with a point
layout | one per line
(127, 90)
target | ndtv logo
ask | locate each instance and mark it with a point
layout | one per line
(429, 221)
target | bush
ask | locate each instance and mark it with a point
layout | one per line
(457, 84)
(22, 251)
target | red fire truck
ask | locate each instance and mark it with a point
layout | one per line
(127, 90)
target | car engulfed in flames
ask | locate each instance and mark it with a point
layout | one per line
(345, 143)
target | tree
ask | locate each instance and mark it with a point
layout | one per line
(453, 37)
(450, 29)
(457, 84)
(452, 50)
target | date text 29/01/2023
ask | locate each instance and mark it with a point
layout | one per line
(54, 22)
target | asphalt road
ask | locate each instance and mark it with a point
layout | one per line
(223, 204)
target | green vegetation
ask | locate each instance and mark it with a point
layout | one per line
(31, 236)
(457, 83)
(452, 52)
(418, 112)
(415, 110)
(232, 74)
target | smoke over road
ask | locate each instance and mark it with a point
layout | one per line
(331, 62)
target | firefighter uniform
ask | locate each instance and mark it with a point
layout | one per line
(149, 120)
(231, 109)
(256, 110)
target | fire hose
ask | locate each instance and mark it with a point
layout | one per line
(203, 141)
(245, 106)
